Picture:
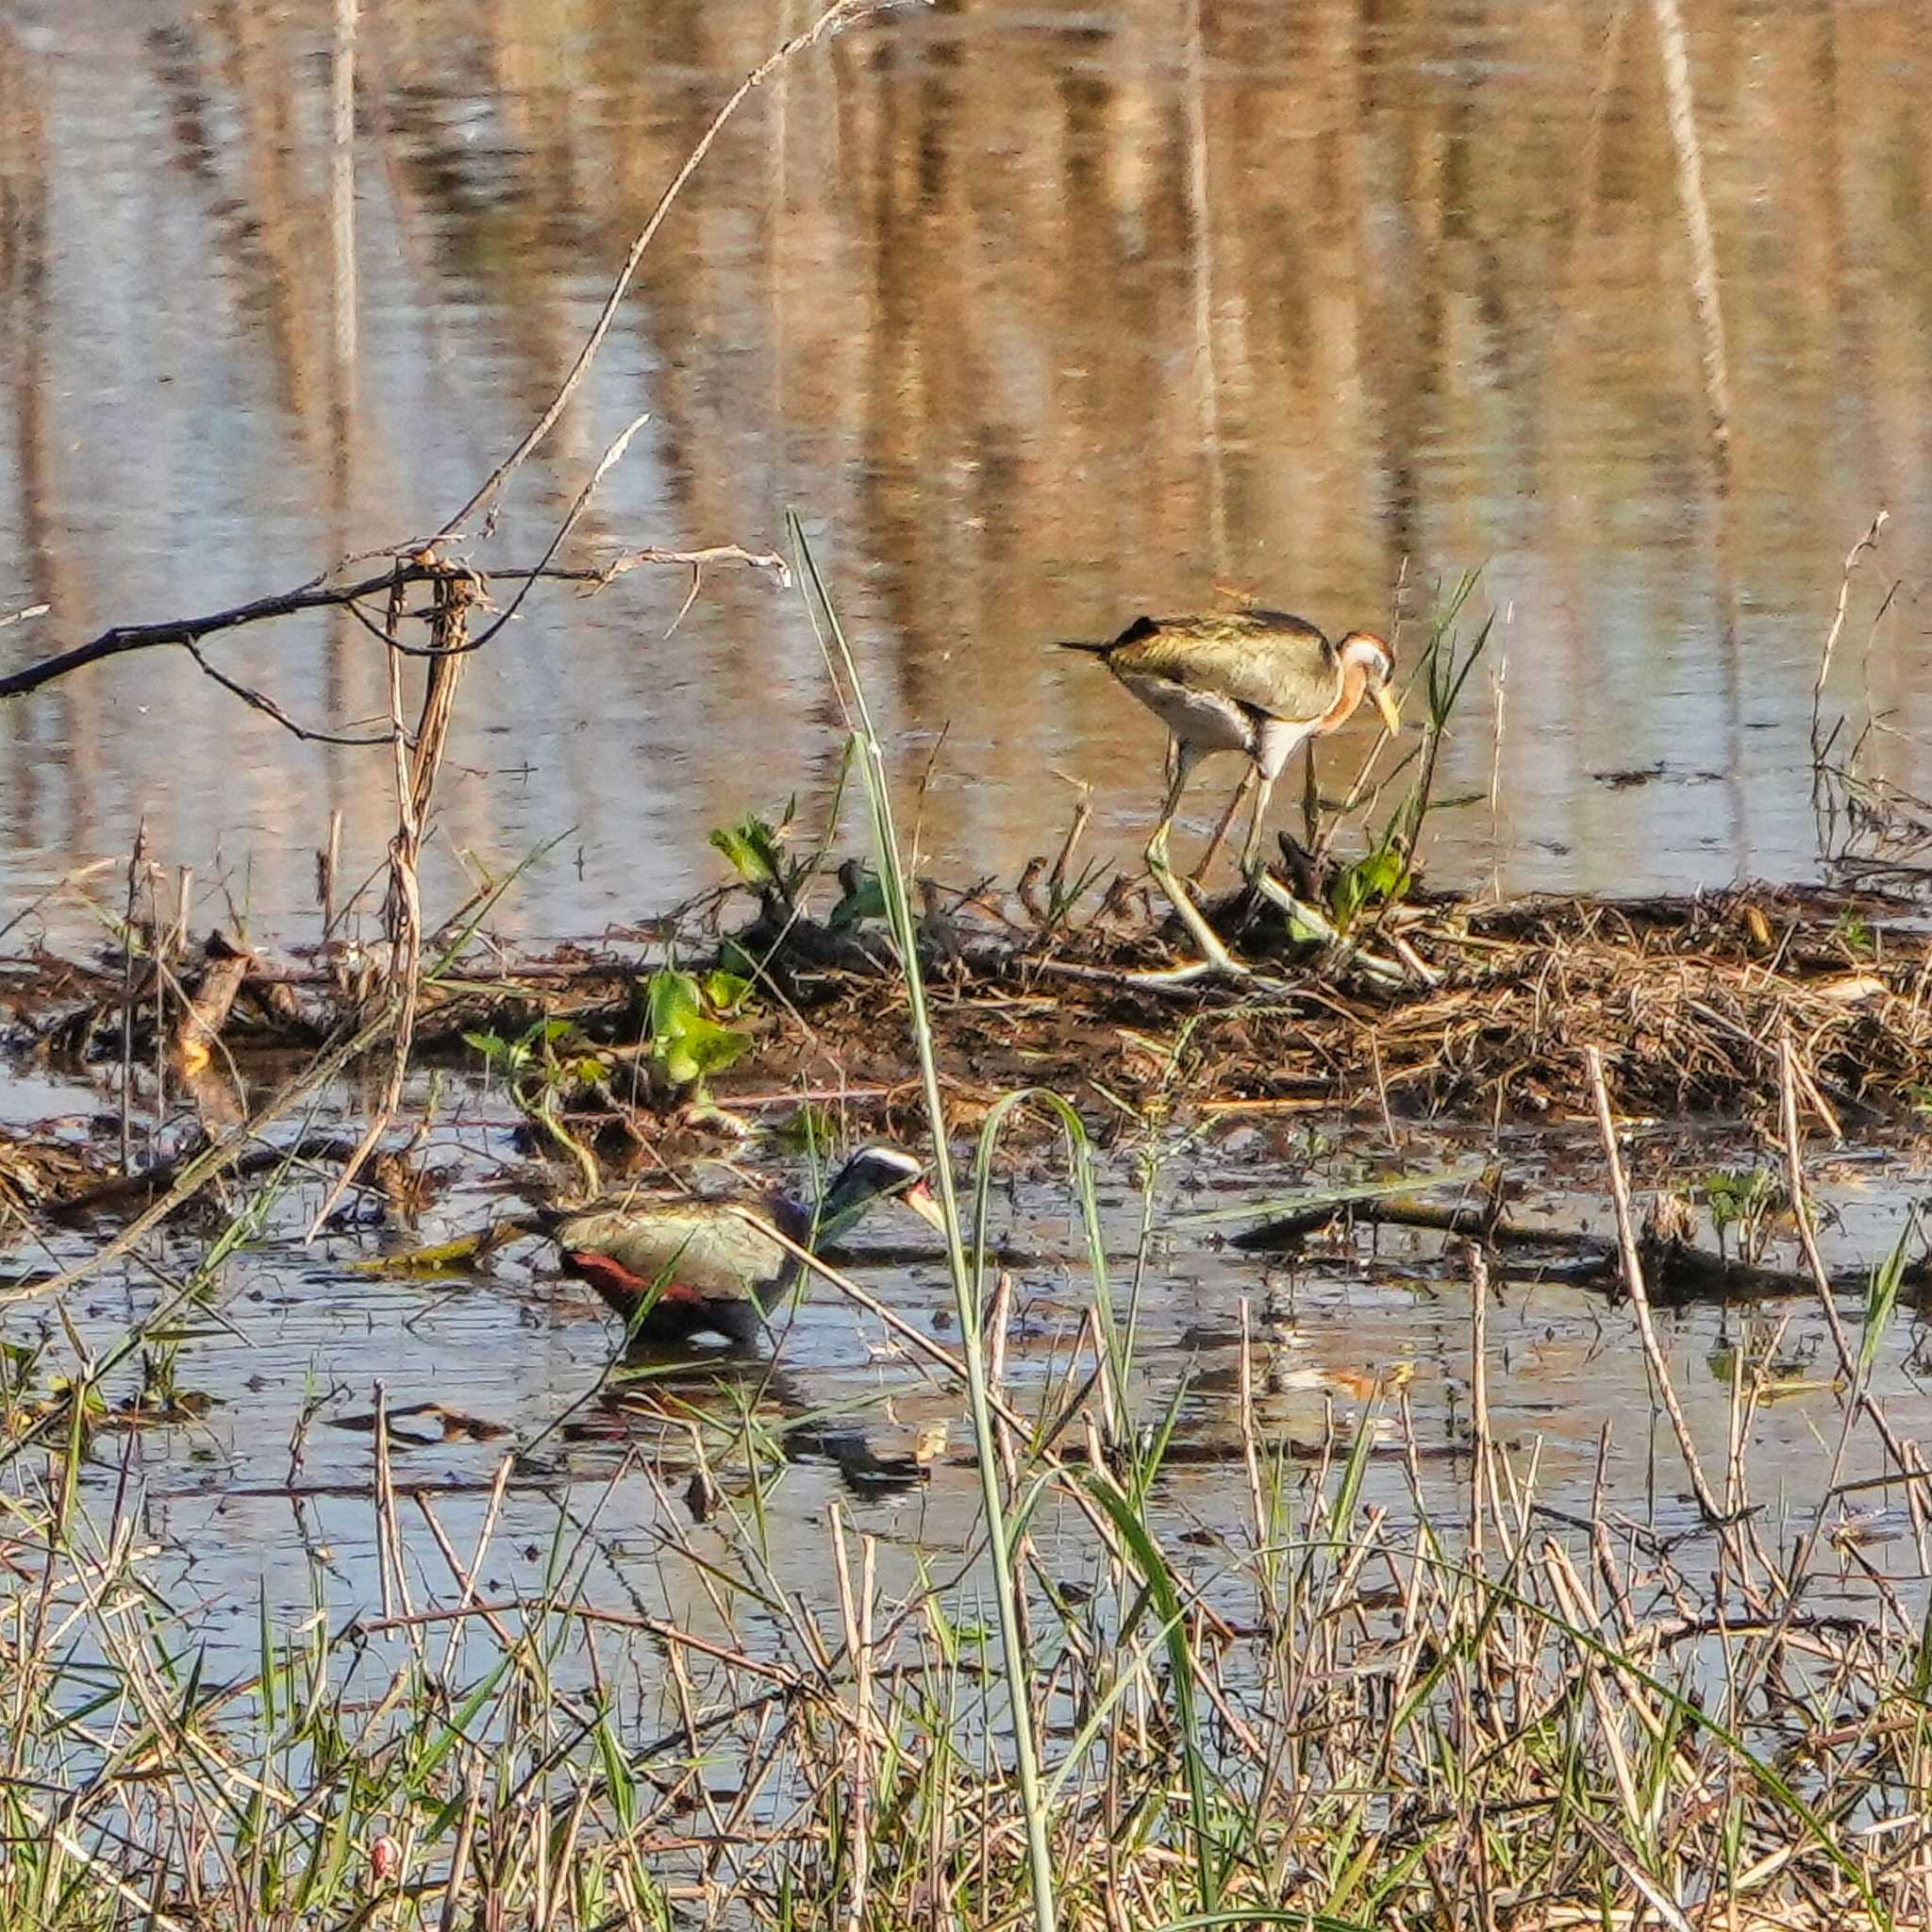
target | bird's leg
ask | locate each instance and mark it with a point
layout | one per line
(1215, 958)
(1214, 844)
(1301, 919)
(1251, 852)
(1305, 921)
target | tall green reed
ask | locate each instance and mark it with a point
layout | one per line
(905, 929)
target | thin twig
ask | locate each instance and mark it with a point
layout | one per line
(1807, 1243)
(408, 568)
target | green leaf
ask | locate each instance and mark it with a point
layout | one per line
(700, 1048)
(1373, 880)
(669, 1000)
(496, 1051)
(752, 847)
(864, 898)
(725, 992)
(686, 1042)
(1881, 1298)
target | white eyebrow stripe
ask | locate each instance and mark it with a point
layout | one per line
(892, 1157)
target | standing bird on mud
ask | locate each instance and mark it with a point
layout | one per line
(1254, 681)
(684, 1265)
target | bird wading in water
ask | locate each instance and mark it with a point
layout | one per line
(1255, 682)
(678, 1267)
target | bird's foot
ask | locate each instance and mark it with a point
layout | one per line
(1216, 962)
(1312, 927)
(1224, 966)
(1305, 921)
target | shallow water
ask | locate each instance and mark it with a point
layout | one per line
(273, 1489)
(1043, 315)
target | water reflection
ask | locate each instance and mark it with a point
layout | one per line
(1045, 316)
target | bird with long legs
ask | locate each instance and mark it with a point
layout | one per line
(1260, 682)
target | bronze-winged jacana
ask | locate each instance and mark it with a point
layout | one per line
(685, 1265)
(1255, 682)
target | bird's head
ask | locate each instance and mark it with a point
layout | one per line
(882, 1174)
(1373, 660)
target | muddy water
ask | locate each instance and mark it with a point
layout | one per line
(1043, 315)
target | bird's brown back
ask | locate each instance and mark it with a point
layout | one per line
(712, 1245)
(1267, 660)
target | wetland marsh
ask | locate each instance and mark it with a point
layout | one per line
(1423, 1434)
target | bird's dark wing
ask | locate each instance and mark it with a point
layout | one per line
(1265, 661)
(716, 1248)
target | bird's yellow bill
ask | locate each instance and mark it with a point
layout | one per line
(924, 1202)
(1385, 705)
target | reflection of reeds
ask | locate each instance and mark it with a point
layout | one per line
(341, 210)
(1688, 147)
(962, 303)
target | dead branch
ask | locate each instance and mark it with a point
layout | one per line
(419, 567)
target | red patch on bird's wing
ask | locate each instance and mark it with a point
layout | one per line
(619, 1286)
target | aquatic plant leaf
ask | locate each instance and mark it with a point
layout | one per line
(440, 1256)
(864, 898)
(1881, 1299)
(685, 1041)
(752, 847)
(1375, 880)
(503, 1054)
(670, 999)
(725, 992)
(701, 1047)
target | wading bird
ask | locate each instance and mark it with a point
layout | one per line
(1253, 681)
(693, 1264)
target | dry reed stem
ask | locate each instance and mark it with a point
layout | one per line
(198, 1030)
(1640, 1299)
(414, 771)
(1793, 1154)
(1481, 1492)
(1820, 741)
